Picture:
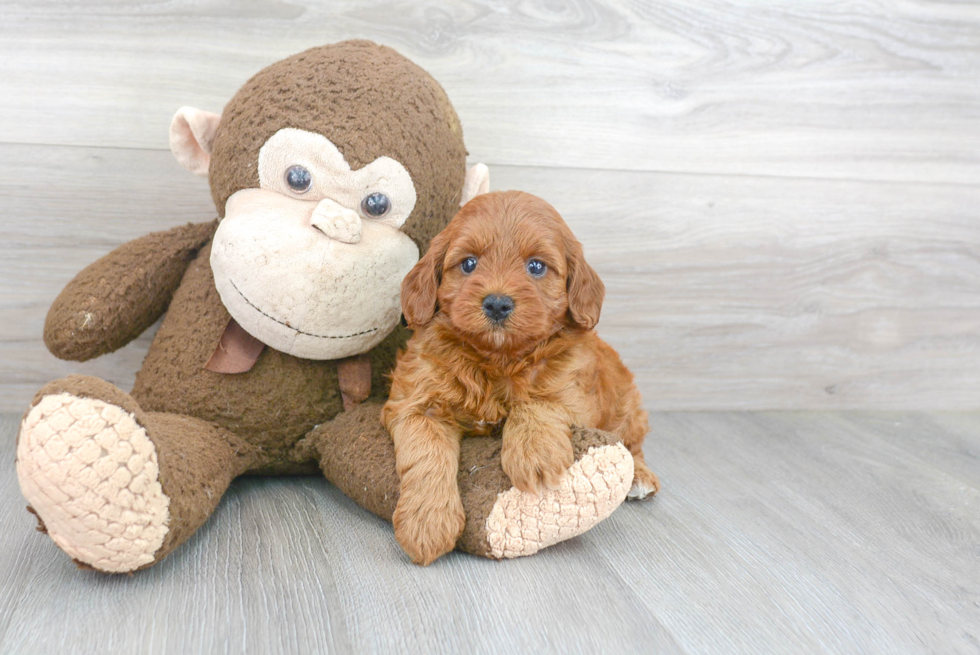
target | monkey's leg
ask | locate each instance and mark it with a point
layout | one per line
(115, 487)
(357, 455)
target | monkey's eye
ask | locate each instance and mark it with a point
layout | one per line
(468, 265)
(536, 268)
(376, 204)
(299, 179)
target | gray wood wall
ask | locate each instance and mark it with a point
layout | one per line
(781, 197)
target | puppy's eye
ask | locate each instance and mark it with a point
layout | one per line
(468, 265)
(299, 179)
(536, 268)
(376, 205)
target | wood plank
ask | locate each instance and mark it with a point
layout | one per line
(945, 441)
(876, 91)
(804, 532)
(723, 292)
(777, 532)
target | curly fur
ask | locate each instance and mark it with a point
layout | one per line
(531, 376)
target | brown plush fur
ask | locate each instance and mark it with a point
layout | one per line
(108, 305)
(543, 368)
(370, 101)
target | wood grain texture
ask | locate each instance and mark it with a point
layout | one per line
(724, 292)
(877, 90)
(782, 199)
(777, 533)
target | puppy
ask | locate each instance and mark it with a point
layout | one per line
(503, 306)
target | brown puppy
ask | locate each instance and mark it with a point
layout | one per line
(503, 306)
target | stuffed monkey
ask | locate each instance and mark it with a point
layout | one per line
(331, 171)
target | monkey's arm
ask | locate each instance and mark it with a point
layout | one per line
(113, 300)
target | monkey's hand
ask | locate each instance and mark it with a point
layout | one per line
(113, 300)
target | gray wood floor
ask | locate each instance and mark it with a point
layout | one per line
(775, 533)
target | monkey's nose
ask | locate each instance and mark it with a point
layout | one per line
(336, 221)
(497, 308)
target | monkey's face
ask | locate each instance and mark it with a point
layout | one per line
(330, 170)
(311, 262)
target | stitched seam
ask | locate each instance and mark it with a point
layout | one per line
(309, 334)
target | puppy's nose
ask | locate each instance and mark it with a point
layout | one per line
(497, 308)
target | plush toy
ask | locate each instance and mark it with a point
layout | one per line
(331, 171)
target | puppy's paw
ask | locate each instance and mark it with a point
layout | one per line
(428, 524)
(534, 462)
(645, 482)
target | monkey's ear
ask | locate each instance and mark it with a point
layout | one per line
(191, 137)
(476, 184)
(420, 287)
(585, 289)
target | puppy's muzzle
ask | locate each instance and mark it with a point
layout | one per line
(498, 308)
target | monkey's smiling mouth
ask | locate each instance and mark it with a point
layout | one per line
(287, 325)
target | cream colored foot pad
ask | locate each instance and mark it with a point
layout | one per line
(522, 524)
(90, 472)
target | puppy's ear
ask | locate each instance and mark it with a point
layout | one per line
(421, 285)
(585, 290)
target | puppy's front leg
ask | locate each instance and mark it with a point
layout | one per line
(429, 516)
(537, 445)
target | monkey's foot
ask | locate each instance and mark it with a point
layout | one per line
(90, 473)
(522, 523)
